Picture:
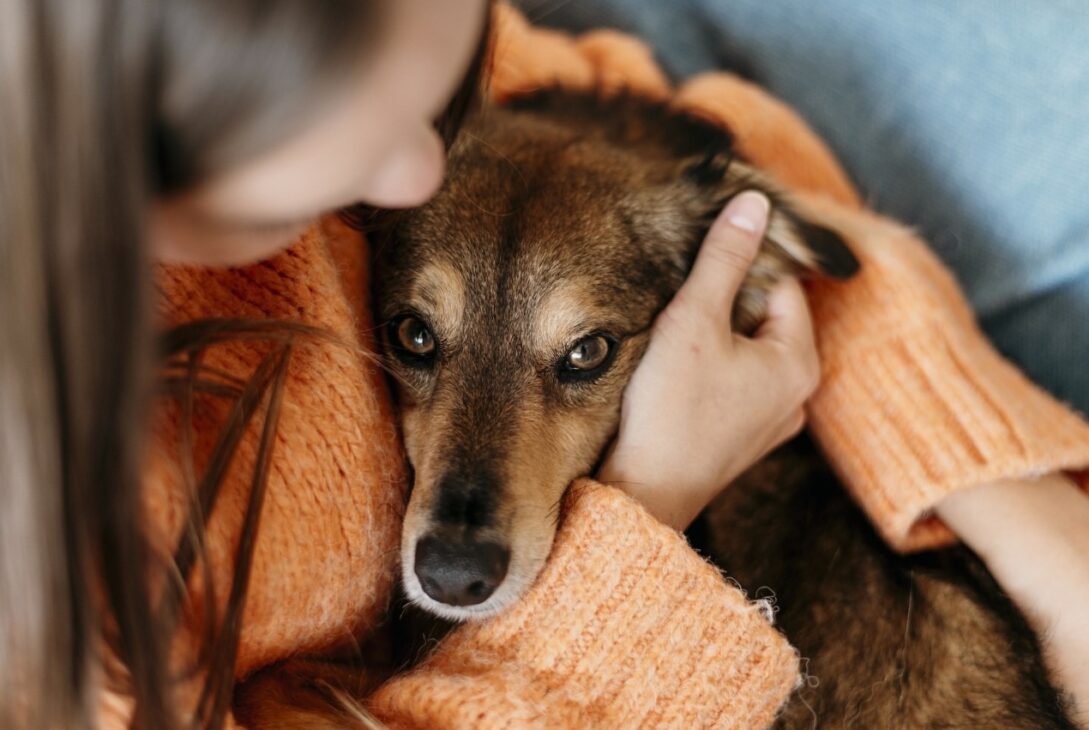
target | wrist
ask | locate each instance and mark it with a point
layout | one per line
(1034, 537)
(1033, 534)
(667, 484)
(667, 502)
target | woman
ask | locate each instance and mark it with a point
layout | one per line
(213, 133)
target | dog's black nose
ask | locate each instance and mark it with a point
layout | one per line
(460, 573)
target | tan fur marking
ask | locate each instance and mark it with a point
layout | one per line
(440, 295)
(562, 315)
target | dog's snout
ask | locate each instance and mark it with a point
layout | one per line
(460, 573)
(467, 501)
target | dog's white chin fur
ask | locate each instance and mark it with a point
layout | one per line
(522, 572)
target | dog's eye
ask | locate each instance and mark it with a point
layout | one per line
(412, 338)
(588, 353)
(588, 358)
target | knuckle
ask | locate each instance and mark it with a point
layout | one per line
(797, 425)
(804, 376)
(812, 375)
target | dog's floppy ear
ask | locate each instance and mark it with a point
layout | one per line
(811, 248)
(793, 246)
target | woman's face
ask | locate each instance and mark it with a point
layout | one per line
(375, 143)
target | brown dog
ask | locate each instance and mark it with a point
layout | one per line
(517, 304)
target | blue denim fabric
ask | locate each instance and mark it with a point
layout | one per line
(968, 120)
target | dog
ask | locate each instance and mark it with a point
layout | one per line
(515, 306)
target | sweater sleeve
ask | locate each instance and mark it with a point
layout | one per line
(914, 402)
(625, 627)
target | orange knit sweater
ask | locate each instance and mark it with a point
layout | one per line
(626, 626)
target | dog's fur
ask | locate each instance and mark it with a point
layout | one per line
(549, 231)
(567, 216)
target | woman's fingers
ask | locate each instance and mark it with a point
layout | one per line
(725, 256)
(704, 404)
(790, 326)
(788, 320)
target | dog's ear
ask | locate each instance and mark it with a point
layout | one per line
(813, 248)
(809, 247)
(792, 246)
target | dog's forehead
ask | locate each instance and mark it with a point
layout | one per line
(546, 210)
(542, 227)
(522, 261)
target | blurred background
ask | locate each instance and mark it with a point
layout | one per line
(966, 120)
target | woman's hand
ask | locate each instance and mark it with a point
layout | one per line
(705, 403)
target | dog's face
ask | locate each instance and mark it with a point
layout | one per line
(516, 306)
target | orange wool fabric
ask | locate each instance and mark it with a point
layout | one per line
(626, 626)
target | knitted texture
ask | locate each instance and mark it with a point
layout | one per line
(626, 626)
(324, 563)
(914, 402)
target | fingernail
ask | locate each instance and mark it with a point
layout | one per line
(748, 211)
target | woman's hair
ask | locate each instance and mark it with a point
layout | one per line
(104, 105)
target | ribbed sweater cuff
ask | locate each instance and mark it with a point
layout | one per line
(625, 627)
(915, 403)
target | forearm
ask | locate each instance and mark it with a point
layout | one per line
(1034, 537)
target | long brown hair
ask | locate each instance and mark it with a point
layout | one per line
(105, 104)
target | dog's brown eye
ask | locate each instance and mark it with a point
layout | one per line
(415, 337)
(588, 353)
(588, 358)
(412, 338)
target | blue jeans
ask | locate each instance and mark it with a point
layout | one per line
(968, 120)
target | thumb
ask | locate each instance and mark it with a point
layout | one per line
(726, 254)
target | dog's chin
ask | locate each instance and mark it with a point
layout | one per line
(524, 569)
